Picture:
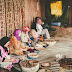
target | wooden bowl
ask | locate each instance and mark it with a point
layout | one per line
(44, 70)
(33, 55)
(31, 47)
(41, 43)
(39, 48)
(49, 40)
(46, 64)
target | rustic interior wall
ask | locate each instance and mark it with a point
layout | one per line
(32, 9)
(42, 9)
(15, 14)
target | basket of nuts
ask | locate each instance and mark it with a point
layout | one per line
(29, 65)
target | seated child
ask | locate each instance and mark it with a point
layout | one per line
(6, 61)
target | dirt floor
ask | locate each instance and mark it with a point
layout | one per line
(63, 46)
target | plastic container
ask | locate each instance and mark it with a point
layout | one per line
(56, 23)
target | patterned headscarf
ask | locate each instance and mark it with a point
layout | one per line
(16, 34)
(26, 29)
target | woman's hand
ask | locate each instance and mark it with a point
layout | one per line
(9, 60)
(30, 41)
(25, 49)
(12, 59)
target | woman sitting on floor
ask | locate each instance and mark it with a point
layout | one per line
(34, 37)
(25, 36)
(40, 29)
(6, 61)
(16, 46)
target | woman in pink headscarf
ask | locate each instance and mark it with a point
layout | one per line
(16, 46)
(25, 36)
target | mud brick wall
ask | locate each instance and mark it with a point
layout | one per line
(15, 14)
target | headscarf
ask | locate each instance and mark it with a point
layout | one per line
(25, 29)
(3, 41)
(36, 19)
(16, 34)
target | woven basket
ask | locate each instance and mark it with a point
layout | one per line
(40, 48)
(32, 69)
(50, 42)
